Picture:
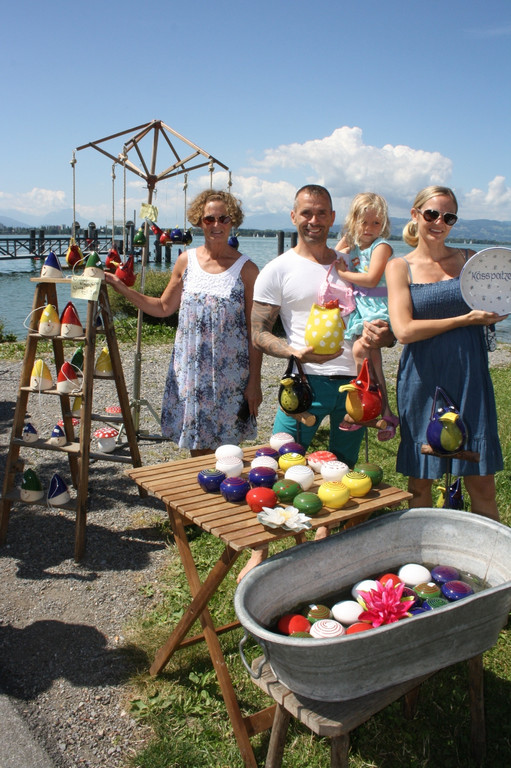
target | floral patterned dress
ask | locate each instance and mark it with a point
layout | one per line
(209, 365)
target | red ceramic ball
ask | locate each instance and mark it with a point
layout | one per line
(293, 622)
(360, 626)
(393, 578)
(260, 497)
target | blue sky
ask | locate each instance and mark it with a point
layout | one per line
(358, 96)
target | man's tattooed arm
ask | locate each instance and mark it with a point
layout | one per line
(263, 319)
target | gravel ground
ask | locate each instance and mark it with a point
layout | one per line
(63, 655)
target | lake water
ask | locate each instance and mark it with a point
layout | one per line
(17, 290)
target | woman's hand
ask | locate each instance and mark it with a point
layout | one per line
(480, 317)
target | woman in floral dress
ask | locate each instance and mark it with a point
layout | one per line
(213, 366)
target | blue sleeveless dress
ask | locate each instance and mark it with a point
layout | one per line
(456, 361)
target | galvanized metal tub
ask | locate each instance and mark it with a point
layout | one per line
(343, 668)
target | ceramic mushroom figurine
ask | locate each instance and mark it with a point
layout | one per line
(106, 437)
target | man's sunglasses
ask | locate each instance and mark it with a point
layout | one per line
(431, 215)
(212, 219)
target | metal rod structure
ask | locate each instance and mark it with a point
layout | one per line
(147, 171)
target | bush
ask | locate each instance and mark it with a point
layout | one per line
(5, 336)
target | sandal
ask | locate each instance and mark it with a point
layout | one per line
(348, 426)
(390, 430)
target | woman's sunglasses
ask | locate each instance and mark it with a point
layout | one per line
(220, 219)
(431, 215)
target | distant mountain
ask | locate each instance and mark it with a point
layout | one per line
(10, 218)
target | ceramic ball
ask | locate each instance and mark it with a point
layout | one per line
(456, 590)
(373, 471)
(286, 490)
(228, 450)
(366, 585)
(267, 451)
(210, 479)
(393, 577)
(334, 494)
(333, 470)
(302, 474)
(427, 589)
(347, 611)
(287, 460)
(260, 497)
(325, 628)
(358, 483)
(262, 476)
(265, 461)
(412, 574)
(316, 459)
(317, 612)
(279, 438)
(234, 489)
(231, 466)
(292, 447)
(308, 503)
(293, 622)
(443, 573)
(360, 626)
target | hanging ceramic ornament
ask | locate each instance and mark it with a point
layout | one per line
(126, 273)
(76, 408)
(94, 267)
(74, 255)
(165, 237)
(295, 395)
(58, 436)
(31, 488)
(51, 267)
(30, 433)
(40, 379)
(49, 323)
(77, 359)
(103, 364)
(58, 492)
(112, 260)
(70, 325)
(67, 380)
(363, 399)
(140, 238)
(446, 432)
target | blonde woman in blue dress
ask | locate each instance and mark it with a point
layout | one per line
(368, 252)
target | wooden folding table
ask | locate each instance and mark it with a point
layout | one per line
(175, 483)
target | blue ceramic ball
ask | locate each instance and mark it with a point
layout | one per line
(292, 448)
(210, 479)
(234, 489)
(268, 451)
(262, 477)
(456, 590)
(442, 573)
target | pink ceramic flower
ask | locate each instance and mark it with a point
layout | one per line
(384, 604)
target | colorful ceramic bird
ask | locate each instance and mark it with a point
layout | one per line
(446, 432)
(294, 392)
(363, 398)
(126, 273)
(112, 260)
(74, 254)
(140, 238)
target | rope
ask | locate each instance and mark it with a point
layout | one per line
(211, 169)
(113, 205)
(124, 238)
(185, 187)
(73, 163)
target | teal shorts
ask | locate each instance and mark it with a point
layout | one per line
(327, 401)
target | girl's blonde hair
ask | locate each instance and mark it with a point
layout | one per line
(410, 230)
(365, 201)
(195, 210)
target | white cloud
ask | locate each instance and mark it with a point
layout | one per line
(37, 201)
(495, 203)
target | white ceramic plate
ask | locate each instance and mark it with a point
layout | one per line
(485, 280)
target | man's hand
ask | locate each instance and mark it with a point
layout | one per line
(377, 334)
(307, 355)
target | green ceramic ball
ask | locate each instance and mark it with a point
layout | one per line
(307, 502)
(286, 490)
(373, 471)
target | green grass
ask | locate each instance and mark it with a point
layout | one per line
(185, 710)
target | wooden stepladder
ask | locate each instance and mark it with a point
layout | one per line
(79, 454)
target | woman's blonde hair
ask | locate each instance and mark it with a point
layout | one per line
(410, 231)
(365, 201)
(195, 210)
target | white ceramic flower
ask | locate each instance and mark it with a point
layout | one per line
(289, 518)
